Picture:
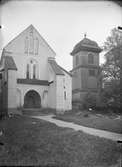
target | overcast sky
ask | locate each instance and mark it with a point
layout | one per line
(62, 24)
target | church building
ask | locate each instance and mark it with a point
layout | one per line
(85, 72)
(31, 77)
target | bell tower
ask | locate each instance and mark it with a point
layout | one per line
(85, 72)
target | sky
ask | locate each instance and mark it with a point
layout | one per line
(62, 24)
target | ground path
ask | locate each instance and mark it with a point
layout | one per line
(91, 131)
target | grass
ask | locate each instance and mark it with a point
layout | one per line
(93, 120)
(28, 141)
(41, 111)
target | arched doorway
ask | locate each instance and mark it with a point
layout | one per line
(32, 99)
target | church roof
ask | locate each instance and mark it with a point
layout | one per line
(9, 63)
(55, 67)
(86, 45)
(65, 70)
(58, 69)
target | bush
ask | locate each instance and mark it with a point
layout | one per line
(111, 102)
(89, 101)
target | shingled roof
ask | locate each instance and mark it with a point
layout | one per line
(55, 67)
(9, 63)
(86, 45)
(65, 70)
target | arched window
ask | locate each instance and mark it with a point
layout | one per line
(90, 58)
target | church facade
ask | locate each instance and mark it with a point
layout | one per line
(86, 70)
(31, 77)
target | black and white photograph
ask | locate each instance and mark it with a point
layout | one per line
(61, 83)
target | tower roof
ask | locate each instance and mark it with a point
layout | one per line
(86, 45)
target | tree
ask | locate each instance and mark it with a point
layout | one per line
(114, 40)
(111, 68)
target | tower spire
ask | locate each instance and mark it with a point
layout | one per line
(85, 35)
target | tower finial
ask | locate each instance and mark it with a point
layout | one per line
(85, 35)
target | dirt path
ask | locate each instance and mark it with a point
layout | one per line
(91, 131)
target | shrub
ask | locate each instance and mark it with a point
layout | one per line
(89, 101)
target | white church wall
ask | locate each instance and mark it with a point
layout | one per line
(52, 88)
(59, 93)
(52, 96)
(12, 89)
(45, 99)
(68, 89)
(17, 50)
(18, 98)
(24, 88)
(18, 43)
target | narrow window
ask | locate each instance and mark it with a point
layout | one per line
(64, 95)
(31, 44)
(34, 71)
(26, 44)
(64, 82)
(77, 60)
(91, 72)
(27, 72)
(36, 46)
(91, 58)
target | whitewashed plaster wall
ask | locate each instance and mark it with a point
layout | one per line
(16, 49)
(24, 88)
(67, 82)
(12, 89)
(52, 88)
(59, 93)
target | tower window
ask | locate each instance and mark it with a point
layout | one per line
(77, 60)
(90, 58)
(91, 72)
